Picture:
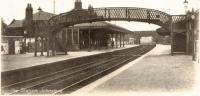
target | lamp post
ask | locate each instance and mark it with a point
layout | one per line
(37, 29)
(185, 5)
(90, 8)
(193, 35)
(25, 33)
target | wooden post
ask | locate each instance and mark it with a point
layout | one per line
(97, 40)
(187, 35)
(89, 42)
(25, 44)
(172, 36)
(106, 41)
(64, 41)
(35, 52)
(196, 35)
(123, 39)
(112, 43)
(42, 46)
(72, 36)
(96, 43)
(193, 38)
(99, 43)
(47, 46)
(50, 44)
(116, 40)
(120, 37)
(81, 40)
(78, 38)
(53, 45)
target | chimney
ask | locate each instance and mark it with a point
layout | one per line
(78, 4)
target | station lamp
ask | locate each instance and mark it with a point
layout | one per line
(185, 5)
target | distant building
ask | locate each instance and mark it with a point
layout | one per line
(144, 37)
(9, 44)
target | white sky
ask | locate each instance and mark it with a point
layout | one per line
(15, 9)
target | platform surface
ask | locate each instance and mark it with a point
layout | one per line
(12, 62)
(156, 74)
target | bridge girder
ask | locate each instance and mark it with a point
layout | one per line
(56, 23)
(111, 13)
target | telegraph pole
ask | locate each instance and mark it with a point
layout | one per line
(54, 6)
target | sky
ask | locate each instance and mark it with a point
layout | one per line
(15, 9)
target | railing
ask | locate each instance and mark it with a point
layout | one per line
(111, 13)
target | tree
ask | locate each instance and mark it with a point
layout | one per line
(3, 27)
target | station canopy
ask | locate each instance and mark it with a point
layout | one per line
(102, 25)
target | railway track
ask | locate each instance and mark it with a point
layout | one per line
(77, 76)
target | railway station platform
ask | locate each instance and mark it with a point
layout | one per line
(12, 62)
(157, 73)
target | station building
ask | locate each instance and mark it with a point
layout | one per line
(19, 35)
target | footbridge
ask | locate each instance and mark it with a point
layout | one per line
(177, 26)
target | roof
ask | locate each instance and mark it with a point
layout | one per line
(93, 24)
(101, 24)
(144, 31)
(42, 15)
(16, 24)
(12, 36)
